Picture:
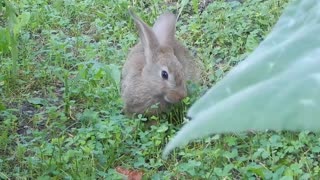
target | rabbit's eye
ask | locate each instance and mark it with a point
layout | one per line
(164, 75)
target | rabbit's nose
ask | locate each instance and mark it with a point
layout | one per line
(180, 95)
(183, 94)
(175, 96)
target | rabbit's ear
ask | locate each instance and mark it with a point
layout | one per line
(165, 28)
(147, 36)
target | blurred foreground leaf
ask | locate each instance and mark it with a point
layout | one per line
(277, 87)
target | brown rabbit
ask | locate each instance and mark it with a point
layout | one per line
(157, 68)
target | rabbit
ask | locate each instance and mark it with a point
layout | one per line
(157, 68)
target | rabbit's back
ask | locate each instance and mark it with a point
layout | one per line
(135, 61)
(132, 68)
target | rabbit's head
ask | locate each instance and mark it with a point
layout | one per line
(163, 73)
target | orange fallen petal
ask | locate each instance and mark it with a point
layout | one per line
(123, 171)
(131, 175)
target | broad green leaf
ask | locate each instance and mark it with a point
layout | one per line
(115, 73)
(277, 87)
(23, 20)
(37, 101)
(4, 40)
(2, 106)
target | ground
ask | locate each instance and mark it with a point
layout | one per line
(61, 112)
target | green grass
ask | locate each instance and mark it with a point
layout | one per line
(60, 108)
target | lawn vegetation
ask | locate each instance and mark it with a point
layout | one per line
(60, 107)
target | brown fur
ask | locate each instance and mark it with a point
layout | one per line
(142, 85)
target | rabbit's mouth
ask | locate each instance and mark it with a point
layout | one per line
(168, 100)
(173, 97)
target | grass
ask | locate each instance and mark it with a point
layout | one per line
(60, 108)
